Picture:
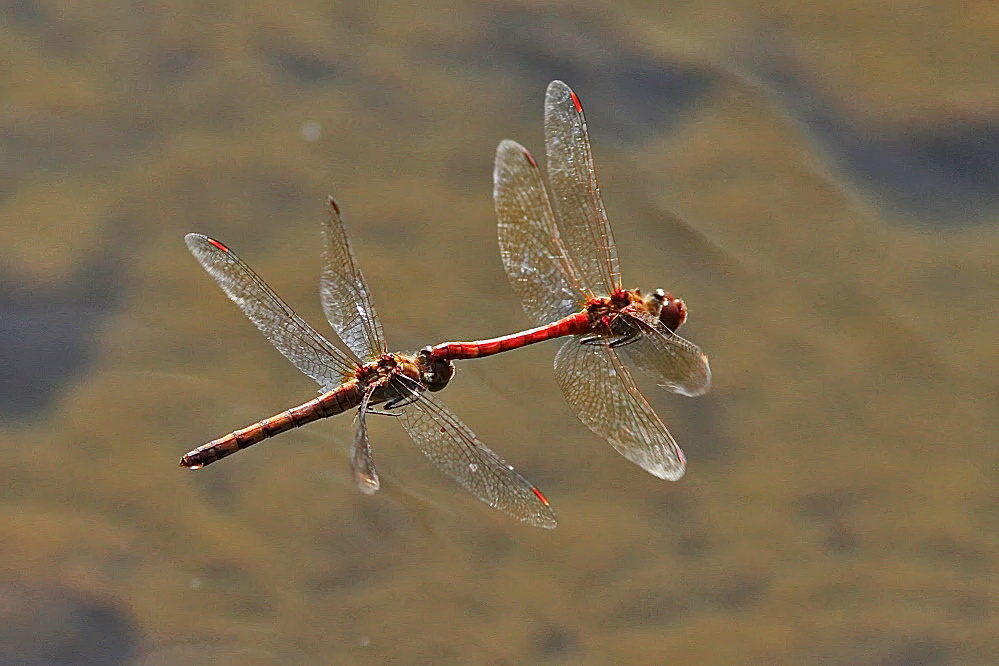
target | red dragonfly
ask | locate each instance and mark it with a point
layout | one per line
(397, 380)
(559, 253)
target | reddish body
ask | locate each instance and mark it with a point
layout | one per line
(574, 324)
(372, 378)
(597, 319)
(559, 254)
(331, 403)
(396, 380)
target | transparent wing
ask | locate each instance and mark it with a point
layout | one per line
(532, 252)
(344, 293)
(670, 360)
(582, 219)
(362, 464)
(450, 445)
(309, 351)
(603, 393)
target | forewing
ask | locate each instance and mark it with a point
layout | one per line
(672, 361)
(344, 292)
(450, 445)
(532, 252)
(603, 393)
(578, 206)
(309, 351)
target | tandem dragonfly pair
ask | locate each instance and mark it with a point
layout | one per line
(559, 253)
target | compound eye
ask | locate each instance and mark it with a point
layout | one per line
(439, 375)
(673, 313)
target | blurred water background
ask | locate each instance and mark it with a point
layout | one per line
(819, 181)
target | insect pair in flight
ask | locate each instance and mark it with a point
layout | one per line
(559, 253)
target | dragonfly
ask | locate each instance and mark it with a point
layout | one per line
(559, 254)
(361, 375)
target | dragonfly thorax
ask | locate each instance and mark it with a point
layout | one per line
(660, 304)
(384, 366)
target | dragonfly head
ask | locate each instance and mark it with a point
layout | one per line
(435, 373)
(672, 311)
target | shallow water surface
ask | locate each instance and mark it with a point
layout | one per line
(819, 185)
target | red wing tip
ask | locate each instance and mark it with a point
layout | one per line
(541, 496)
(575, 101)
(217, 244)
(530, 159)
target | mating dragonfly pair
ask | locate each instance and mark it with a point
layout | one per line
(560, 256)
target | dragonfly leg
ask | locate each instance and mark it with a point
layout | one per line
(624, 330)
(384, 413)
(400, 401)
(626, 339)
(389, 397)
(614, 340)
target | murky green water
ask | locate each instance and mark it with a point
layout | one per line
(819, 184)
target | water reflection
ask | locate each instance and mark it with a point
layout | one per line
(48, 333)
(943, 173)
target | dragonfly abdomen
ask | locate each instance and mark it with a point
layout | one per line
(344, 397)
(574, 324)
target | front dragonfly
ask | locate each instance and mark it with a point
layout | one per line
(560, 257)
(395, 380)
